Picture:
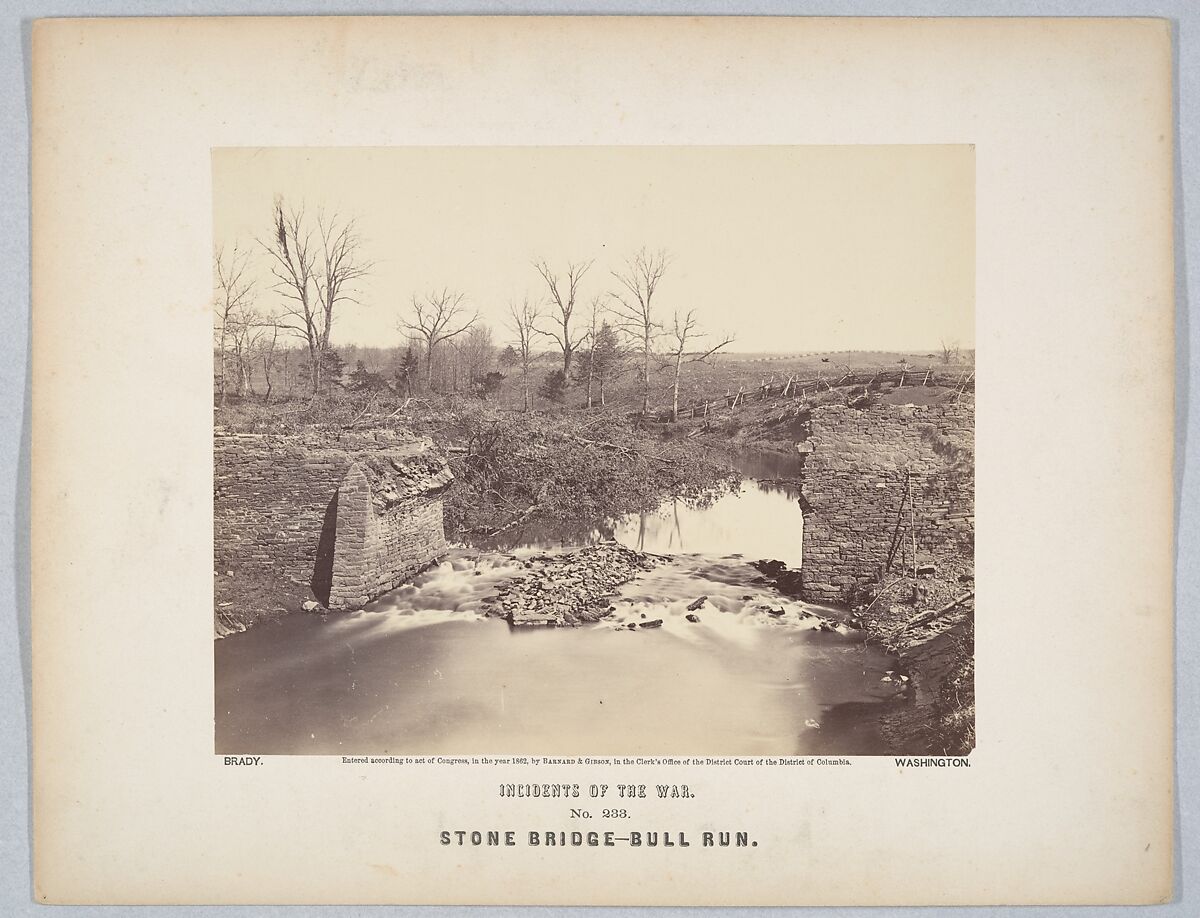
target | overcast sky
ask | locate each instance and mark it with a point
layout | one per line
(791, 249)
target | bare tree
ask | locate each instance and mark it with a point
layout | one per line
(313, 275)
(234, 297)
(949, 352)
(436, 317)
(634, 310)
(562, 293)
(477, 354)
(267, 353)
(684, 330)
(591, 338)
(525, 318)
(340, 266)
(243, 332)
(452, 357)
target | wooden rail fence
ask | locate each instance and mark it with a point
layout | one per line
(960, 380)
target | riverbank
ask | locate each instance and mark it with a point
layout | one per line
(927, 622)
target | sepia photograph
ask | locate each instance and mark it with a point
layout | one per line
(549, 447)
(591, 450)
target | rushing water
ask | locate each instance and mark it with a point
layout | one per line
(422, 671)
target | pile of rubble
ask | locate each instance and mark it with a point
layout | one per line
(569, 589)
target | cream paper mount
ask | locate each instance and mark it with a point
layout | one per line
(1038, 155)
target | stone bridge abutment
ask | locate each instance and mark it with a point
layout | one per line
(298, 519)
(873, 479)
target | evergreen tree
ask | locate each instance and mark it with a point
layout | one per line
(554, 386)
(407, 372)
(607, 358)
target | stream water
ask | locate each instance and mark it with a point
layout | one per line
(421, 671)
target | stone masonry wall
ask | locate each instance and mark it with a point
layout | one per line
(380, 547)
(301, 518)
(859, 464)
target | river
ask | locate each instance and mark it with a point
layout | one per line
(420, 671)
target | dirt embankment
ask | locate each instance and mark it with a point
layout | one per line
(928, 622)
(776, 424)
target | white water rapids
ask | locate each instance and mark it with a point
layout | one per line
(422, 671)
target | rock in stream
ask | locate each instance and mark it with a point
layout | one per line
(572, 588)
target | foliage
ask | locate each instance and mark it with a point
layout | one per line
(491, 383)
(437, 319)
(600, 364)
(554, 387)
(407, 371)
(363, 380)
(566, 467)
(607, 354)
(333, 368)
(953, 728)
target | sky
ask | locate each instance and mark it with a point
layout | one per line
(790, 249)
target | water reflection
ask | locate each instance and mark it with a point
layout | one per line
(761, 519)
(756, 521)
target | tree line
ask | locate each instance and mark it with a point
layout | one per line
(600, 330)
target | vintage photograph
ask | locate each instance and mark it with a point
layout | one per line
(594, 450)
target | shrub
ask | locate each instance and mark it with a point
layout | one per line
(554, 387)
(568, 468)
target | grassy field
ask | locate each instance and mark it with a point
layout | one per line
(727, 373)
(718, 376)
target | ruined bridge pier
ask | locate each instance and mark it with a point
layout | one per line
(869, 474)
(300, 519)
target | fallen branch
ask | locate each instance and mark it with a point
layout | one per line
(932, 615)
(623, 449)
(365, 409)
(879, 595)
(517, 520)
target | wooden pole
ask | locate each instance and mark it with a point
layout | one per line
(912, 513)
